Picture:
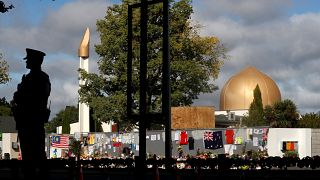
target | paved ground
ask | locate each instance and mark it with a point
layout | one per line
(126, 174)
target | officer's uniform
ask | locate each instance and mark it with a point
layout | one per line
(30, 109)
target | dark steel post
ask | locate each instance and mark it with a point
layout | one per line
(143, 83)
(166, 90)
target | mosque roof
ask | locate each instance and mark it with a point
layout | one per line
(237, 93)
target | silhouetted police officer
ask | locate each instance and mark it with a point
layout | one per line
(30, 112)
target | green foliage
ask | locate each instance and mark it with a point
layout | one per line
(255, 117)
(309, 120)
(63, 118)
(292, 154)
(5, 109)
(195, 62)
(70, 115)
(4, 102)
(4, 71)
(51, 126)
(269, 115)
(259, 154)
(283, 114)
(75, 146)
(98, 126)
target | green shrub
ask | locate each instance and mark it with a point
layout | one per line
(290, 154)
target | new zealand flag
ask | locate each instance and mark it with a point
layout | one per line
(213, 140)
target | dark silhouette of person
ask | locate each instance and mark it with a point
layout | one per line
(30, 111)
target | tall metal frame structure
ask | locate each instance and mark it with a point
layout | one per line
(143, 116)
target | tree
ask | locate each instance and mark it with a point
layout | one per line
(195, 62)
(5, 108)
(285, 114)
(255, 117)
(4, 8)
(269, 115)
(309, 120)
(63, 118)
(70, 115)
(4, 68)
(51, 126)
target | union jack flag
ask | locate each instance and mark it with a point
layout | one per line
(208, 136)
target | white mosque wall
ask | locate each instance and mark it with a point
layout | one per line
(75, 127)
(107, 127)
(236, 112)
(8, 143)
(59, 130)
(277, 136)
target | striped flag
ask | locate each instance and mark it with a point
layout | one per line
(60, 141)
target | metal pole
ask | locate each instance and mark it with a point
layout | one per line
(143, 83)
(166, 91)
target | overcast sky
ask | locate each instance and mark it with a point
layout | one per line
(278, 37)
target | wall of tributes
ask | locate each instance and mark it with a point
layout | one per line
(192, 142)
(184, 142)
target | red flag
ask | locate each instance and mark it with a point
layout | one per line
(60, 141)
(229, 136)
(183, 138)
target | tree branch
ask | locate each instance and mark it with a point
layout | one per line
(4, 8)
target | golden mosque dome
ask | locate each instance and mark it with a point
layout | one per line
(237, 93)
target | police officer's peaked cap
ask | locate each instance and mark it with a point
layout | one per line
(32, 53)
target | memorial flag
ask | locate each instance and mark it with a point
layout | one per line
(183, 138)
(60, 141)
(91, 139)
(229, 136)
(212, 140)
